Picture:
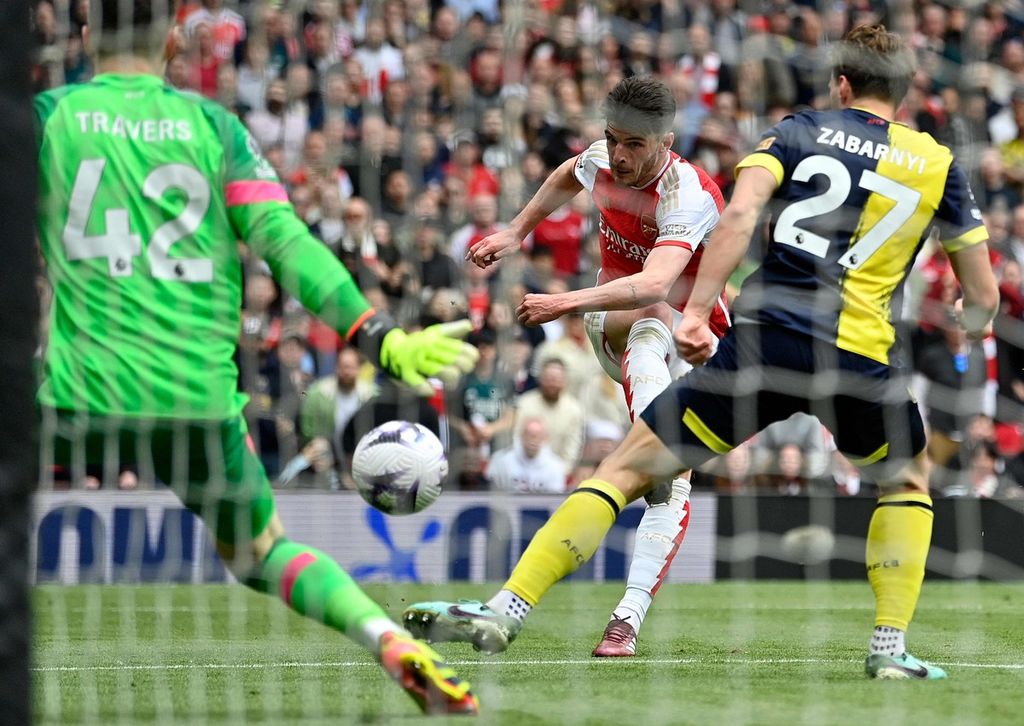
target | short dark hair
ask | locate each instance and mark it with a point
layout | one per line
(130, 26)
(642, 104)
(877, 63)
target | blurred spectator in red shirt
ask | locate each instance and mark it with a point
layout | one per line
(203, 61)
(227, 28)
(466, 165)
(483, 215)
(704, 66)
(562, 232)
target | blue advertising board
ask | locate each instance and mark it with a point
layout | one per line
(131, 537)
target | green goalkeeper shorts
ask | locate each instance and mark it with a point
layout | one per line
(211, 465)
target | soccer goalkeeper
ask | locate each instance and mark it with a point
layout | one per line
(143, 193)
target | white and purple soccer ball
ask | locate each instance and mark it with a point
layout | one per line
(399, 467)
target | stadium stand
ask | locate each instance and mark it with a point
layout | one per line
(406, 131)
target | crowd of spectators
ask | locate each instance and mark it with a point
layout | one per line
(406, 131)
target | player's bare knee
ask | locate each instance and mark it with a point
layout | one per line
(632, 483)
(619, 325)
(654, 317)
(911, 477)
(638, 463)
(658, 311)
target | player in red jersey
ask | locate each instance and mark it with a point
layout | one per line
(656, 213)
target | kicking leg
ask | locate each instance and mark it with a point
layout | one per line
(568, 539)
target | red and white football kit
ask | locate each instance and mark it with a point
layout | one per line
(679, 207)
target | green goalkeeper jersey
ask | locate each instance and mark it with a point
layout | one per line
(145, 192)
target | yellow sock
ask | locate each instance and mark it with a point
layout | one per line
(898, 541)
(567, 540)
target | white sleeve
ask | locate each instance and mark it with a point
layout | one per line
(368, 247)
(239, 22)
(458, 242)
(686, 213)
(555, 474)
(394, 63)
(195, 19)
(494, 471)
(593, 158)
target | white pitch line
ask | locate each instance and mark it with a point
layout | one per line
(106, 608)
(495, 663)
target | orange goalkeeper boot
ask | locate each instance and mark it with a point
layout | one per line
(428, 680)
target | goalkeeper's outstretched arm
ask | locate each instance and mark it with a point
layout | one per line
(262, 216)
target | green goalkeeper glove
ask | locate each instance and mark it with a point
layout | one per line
(436, 351)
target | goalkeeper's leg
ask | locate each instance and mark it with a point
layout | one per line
(313, 584)
(251, 540)
(310, 583)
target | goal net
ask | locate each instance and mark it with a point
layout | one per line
(403, 133)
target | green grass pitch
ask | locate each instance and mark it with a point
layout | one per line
(721, 654)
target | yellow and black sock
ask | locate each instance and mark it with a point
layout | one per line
(567, 540)
(897, 548)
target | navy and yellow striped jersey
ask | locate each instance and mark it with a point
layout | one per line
(858, 195)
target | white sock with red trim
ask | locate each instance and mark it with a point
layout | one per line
(658, 537)
(645, 371)
(645, 374)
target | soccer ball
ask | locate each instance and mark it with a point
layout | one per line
(809, 545)
(399, 466)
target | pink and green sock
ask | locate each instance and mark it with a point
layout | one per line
(314, 585)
